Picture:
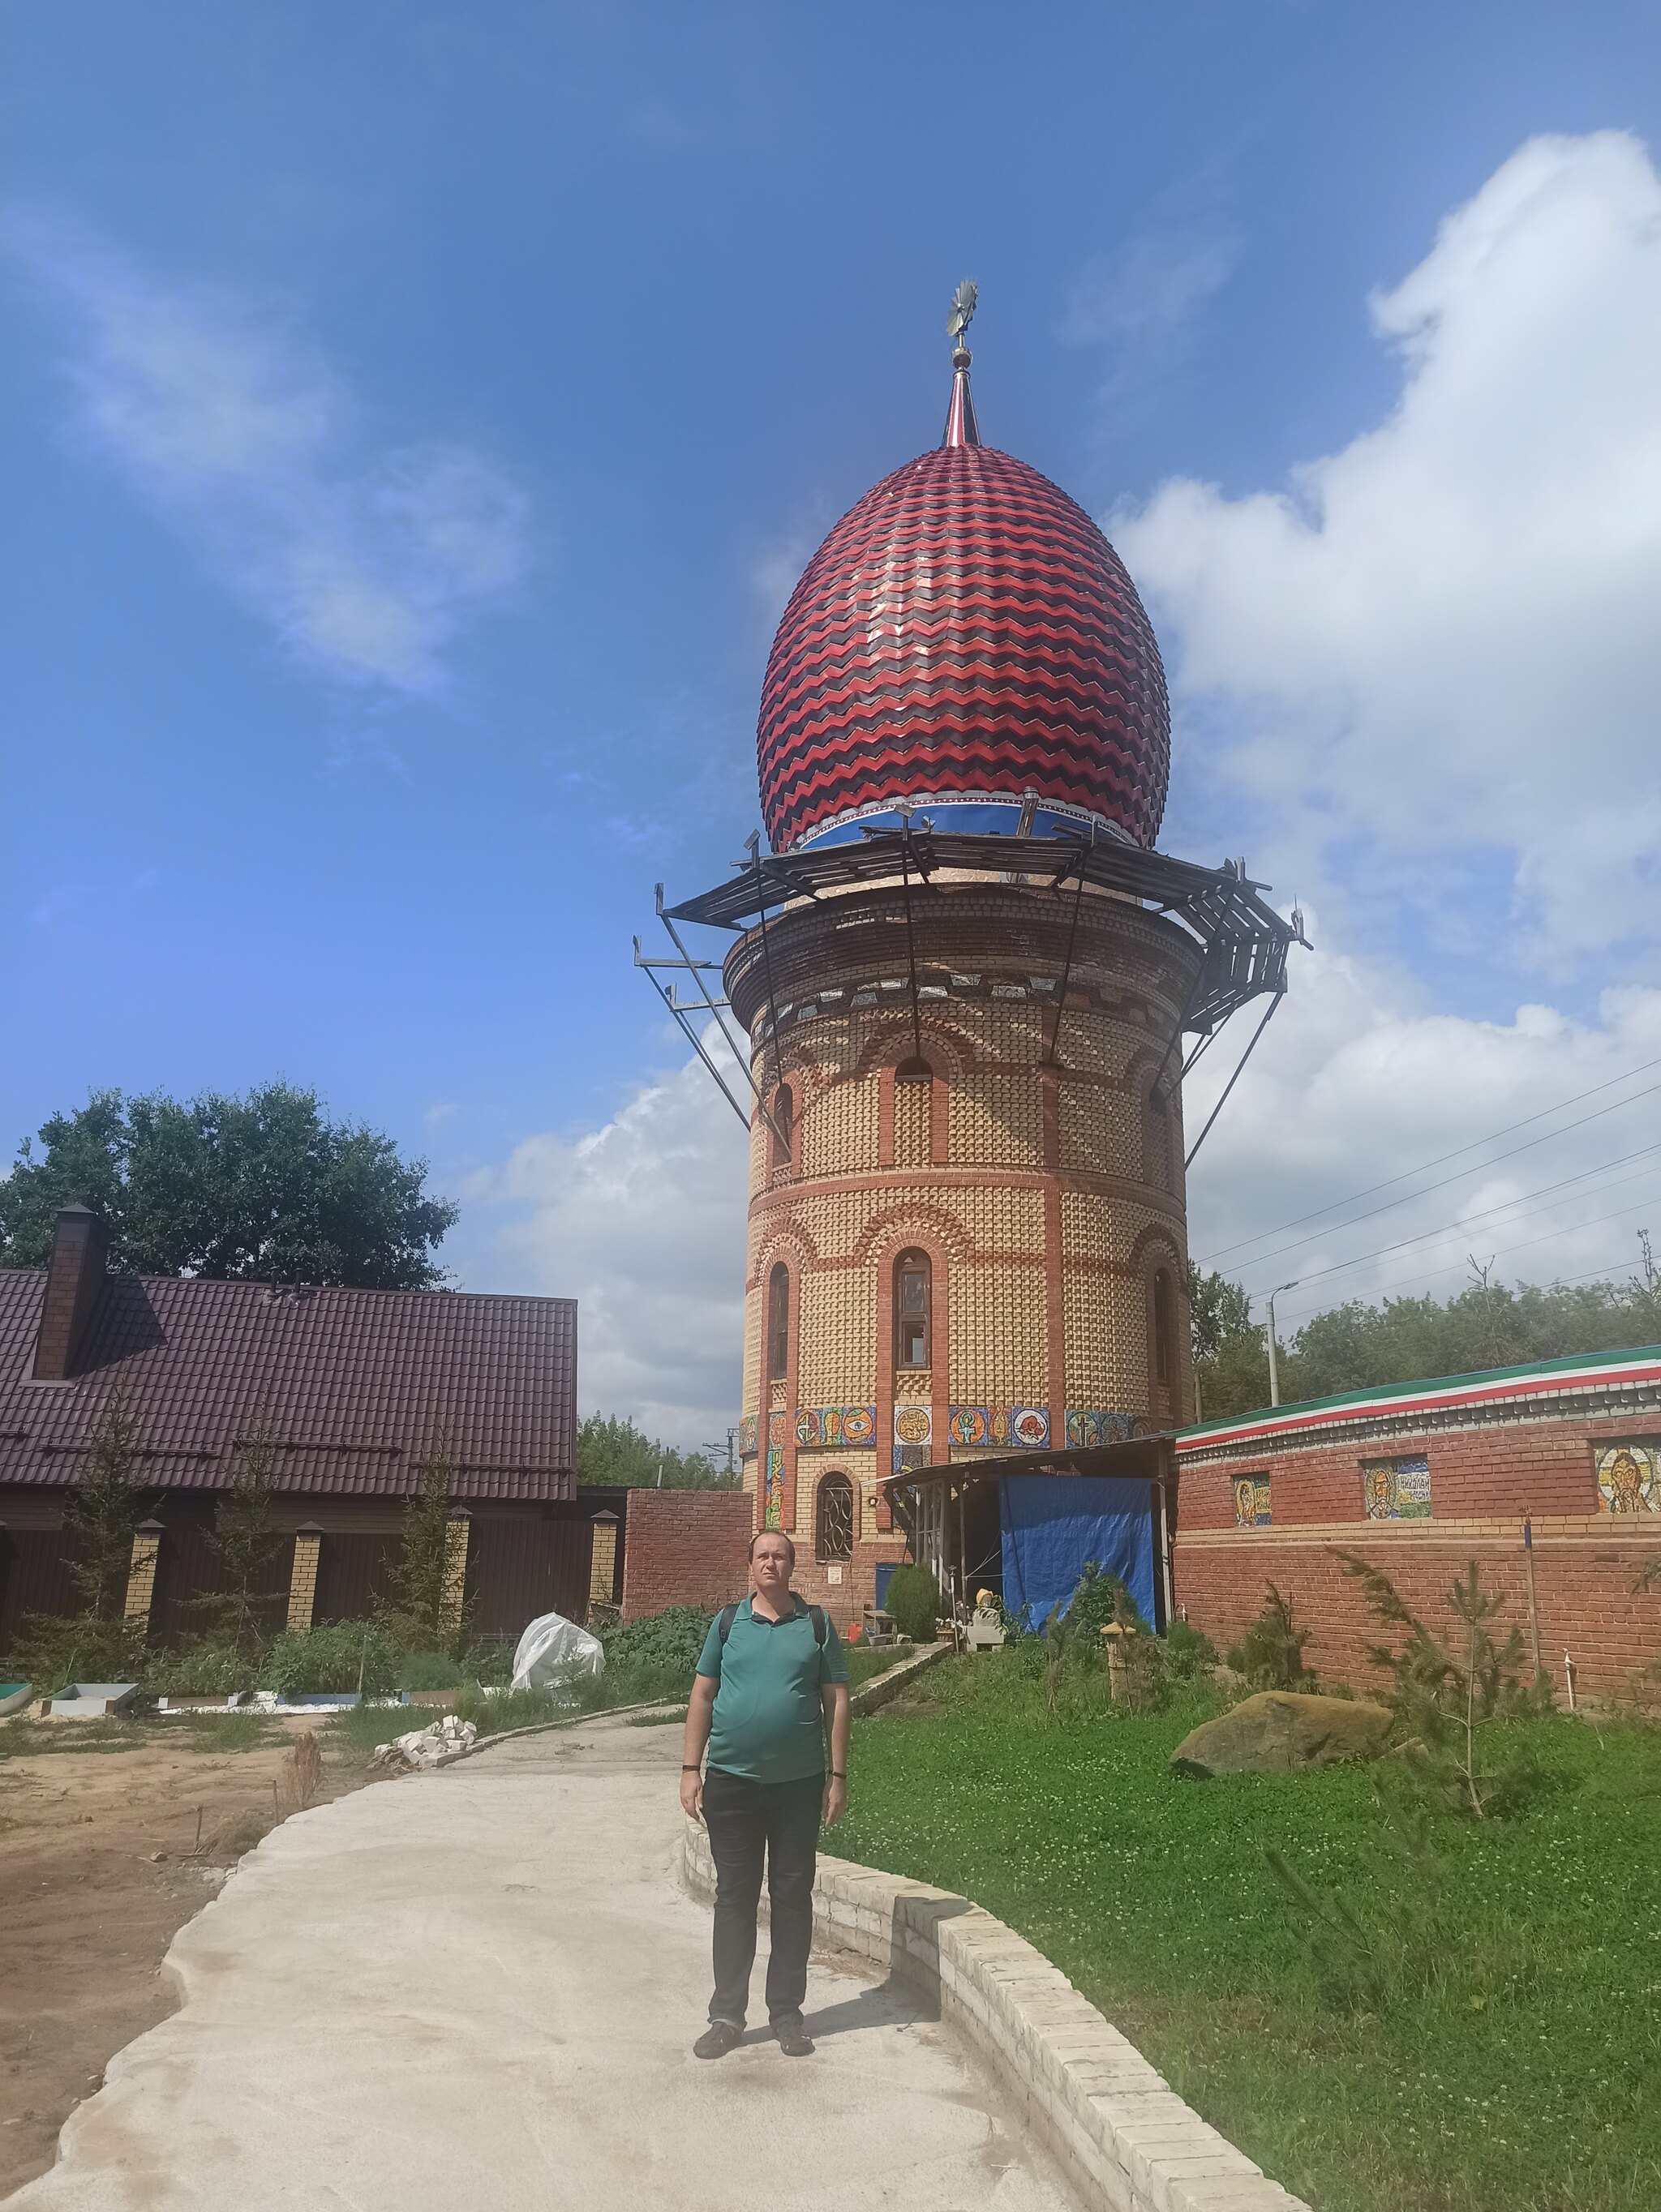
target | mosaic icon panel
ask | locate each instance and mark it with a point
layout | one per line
(1396, 1489)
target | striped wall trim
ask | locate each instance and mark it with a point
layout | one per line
(1560, 1386)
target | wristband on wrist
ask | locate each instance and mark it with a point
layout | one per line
(691, 1770)
(835, 1777)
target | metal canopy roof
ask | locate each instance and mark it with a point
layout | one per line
(1246, 941)
(1151, 1457)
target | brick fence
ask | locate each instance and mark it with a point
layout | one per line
(1485, 1458)
(685, 1547)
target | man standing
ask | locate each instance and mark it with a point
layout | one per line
(771, 1683)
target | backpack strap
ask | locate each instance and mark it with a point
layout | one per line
(817, 1612)
(724, 1620)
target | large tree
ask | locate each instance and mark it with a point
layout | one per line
(263, 1187)
(1356, 1346)
(615, 1453)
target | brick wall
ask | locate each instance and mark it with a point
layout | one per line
(1484, 1480)
(685, 1547)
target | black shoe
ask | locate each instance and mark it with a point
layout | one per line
(794, 2039)
(718, 2038)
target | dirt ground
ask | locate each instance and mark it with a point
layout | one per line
(103, 1855)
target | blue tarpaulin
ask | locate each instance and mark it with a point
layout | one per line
(1053, 1523)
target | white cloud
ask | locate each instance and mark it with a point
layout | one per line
(1444, 638)
(643, 1222)
(223, 416)
(1356, 1082)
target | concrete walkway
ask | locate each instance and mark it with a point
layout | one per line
(476, 1991)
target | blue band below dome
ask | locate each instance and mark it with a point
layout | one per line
(976, 815)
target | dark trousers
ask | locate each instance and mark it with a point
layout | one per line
(746, 1818)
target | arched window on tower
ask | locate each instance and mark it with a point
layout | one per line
(833, 1518)
(778, 1323)
(1164, 1350)
(1156, 1139)
(912, 1310)
(782, 1110)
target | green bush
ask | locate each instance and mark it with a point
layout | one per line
(429, 1670)
(671, 1640)
(208, 1667)
(331, 1658)
(1100, 1599)
(1188, 1652)
(913, 1603)
(1270, 1655)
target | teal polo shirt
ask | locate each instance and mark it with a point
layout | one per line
(768, 1724)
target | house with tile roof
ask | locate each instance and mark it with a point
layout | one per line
(355, 1386)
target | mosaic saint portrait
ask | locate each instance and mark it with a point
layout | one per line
(1396, 1489)
(1629, 1477)
(1251, 1502)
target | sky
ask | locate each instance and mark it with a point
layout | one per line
(413, 419)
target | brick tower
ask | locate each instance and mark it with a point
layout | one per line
(963, 976)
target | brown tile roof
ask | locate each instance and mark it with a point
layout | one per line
(354, 1384)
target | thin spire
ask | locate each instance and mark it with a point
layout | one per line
(961, 427)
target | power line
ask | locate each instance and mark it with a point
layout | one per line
(1429, 1274)
(1406, 1173)
(1448, 1228)
(1262, 1259)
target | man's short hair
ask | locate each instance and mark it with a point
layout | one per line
(782, 1538)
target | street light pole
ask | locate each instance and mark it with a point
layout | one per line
(1274, 1362)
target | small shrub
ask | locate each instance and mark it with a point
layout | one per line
(1270, 1655)
(1102, 1600)
(1447, 1694)
(205, 1667)
(51, 1652)
(490, 1663)
(336, 1656)
(913, 1602)
(1189, 1652)
(429, 1670)
(671, 1640)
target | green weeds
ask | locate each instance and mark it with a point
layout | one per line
(1478, 2027)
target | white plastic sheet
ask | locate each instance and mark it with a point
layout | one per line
(553, 1650)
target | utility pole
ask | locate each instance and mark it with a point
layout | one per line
(1274, 1360)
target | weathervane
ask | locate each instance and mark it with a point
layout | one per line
(962, 314)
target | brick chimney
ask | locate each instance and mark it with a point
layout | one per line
(75, 1279)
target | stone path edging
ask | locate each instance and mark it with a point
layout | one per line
(889, 1684)
(1125, 2136)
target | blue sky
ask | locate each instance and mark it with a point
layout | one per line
(414, 417)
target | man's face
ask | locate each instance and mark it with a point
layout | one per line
(770, 1564)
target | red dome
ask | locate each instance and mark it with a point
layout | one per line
(965, 633)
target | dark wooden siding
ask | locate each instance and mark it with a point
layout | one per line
(33, 1577)
(352, 1573)
(521, 1567)
(189, 1568)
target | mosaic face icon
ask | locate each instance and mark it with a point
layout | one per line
(1629, 1477)
(1396, 1489)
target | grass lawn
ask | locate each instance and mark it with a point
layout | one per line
(1513, 2060)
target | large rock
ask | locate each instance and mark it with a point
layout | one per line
(1278, 1731)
